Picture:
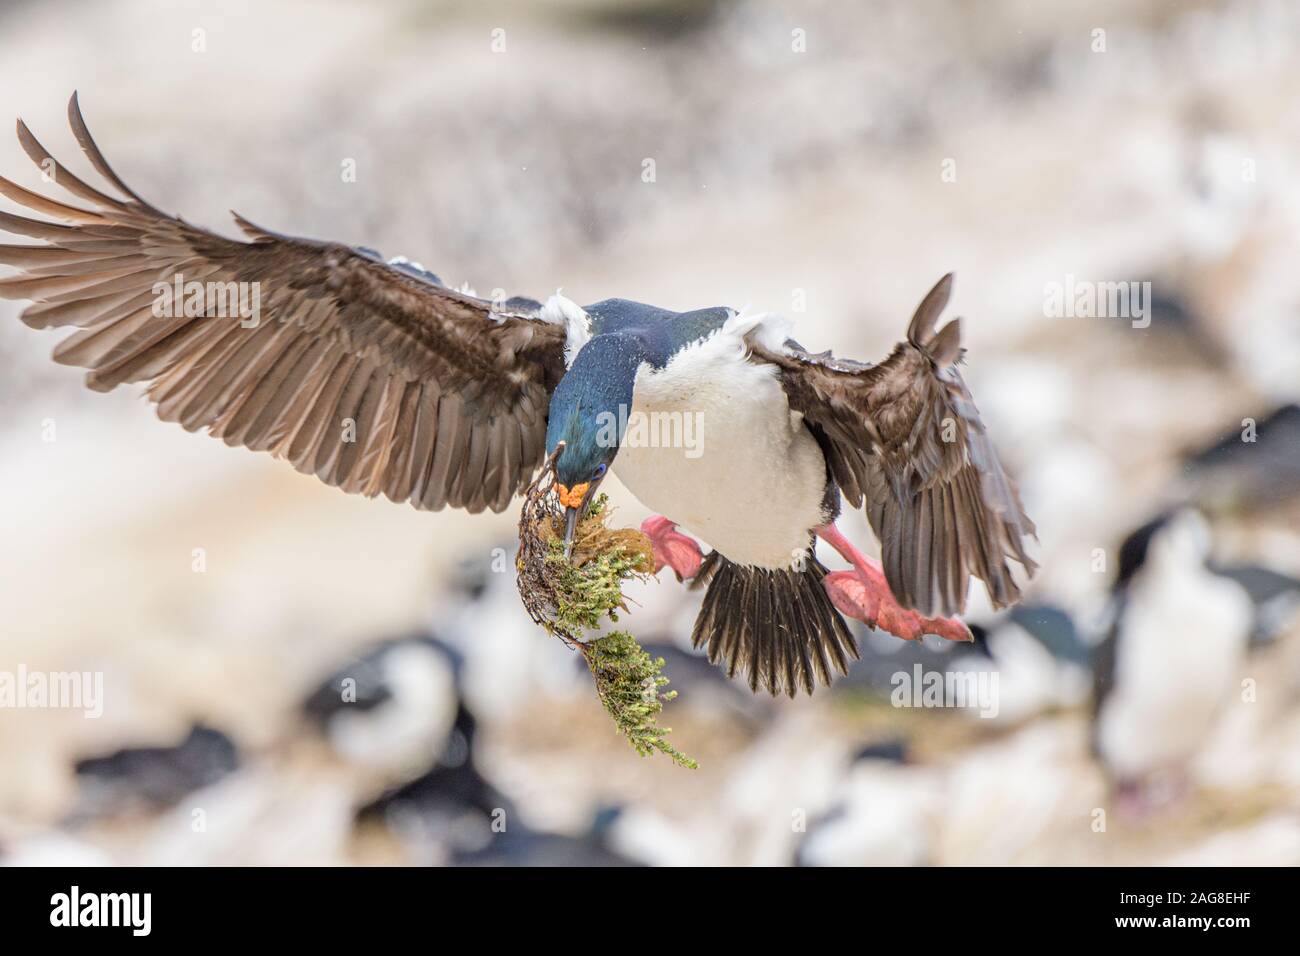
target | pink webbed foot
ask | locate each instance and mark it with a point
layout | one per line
(672, 548)
(863, 594)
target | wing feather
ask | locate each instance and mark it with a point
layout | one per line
(905, 440)
(447, 393)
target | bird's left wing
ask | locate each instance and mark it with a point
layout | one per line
(905, 438)
(374, 377)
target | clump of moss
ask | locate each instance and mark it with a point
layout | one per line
(630, 684)
(570, 596)
(587, 586)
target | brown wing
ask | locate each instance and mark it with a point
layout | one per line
(371, 377)
(905, 437)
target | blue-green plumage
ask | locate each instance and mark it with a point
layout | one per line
(585, 408)
(663, 332)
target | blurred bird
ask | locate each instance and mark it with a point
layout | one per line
(1170, 660)
(1275, 597)
(379, 379)
(451, 808)
(148, 779)
(1039, 657)
(883, 814)
(452, 813)
(520, 845)
(1054, 629)
(1255, 466)
(501, 665)
(400, 707)
(392, 708)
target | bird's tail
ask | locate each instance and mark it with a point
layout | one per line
(777, 626)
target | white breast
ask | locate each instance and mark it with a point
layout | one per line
(1184, 636)
(712, 444)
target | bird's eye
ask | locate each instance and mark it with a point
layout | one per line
(600, 470)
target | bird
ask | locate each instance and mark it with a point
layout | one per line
(1041, 660)
(392, 707)
(1254, 467)
(152, 778)
(595, 846)
(1170, 662)
(450, 807)
(379, 379)
(882, 813)
(445, 809)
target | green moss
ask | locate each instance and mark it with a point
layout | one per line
(585, 592)
(630, 684)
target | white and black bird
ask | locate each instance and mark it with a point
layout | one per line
(1171, 660)
(883, 813)
(378, 379)
(391, 708)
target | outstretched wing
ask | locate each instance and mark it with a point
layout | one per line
(905, 438)
(374, 377)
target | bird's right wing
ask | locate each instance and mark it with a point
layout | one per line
(375, 378)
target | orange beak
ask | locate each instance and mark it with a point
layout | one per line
(572, 497)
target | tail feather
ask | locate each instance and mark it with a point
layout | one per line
(777, 626)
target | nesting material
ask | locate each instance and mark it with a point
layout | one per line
(572, 596)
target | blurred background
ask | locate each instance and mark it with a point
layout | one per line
(826, 160)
